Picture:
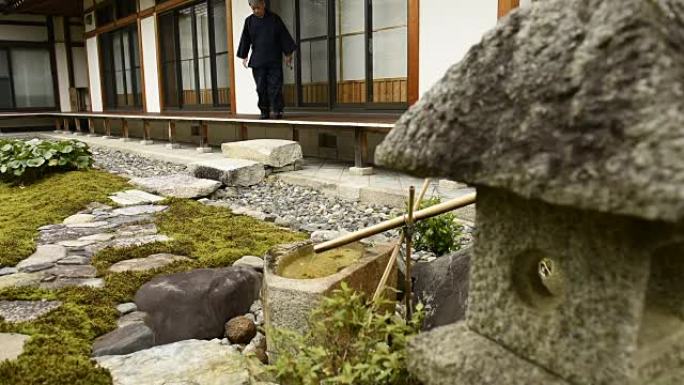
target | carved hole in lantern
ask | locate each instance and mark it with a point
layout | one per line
(538, 279)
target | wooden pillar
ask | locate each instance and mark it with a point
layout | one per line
(204, 137)
(124, 128)
(295, 133)
(172, 136)
(65, 126)
(91, 127)
(108, 128)
(147, 138)
(243, 131)
(506, 6)
(78, 131)
(360, 153)
(58, 125)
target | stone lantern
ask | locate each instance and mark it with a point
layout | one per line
(569, 119)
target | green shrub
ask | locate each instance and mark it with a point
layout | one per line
(28, 160)
(439, 234)
(349, 341)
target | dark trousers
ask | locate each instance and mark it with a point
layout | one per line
(269, 83)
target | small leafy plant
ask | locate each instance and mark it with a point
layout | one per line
(350, 341)
(28, 160)
(439, 234)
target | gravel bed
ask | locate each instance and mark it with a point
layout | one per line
(133, 165)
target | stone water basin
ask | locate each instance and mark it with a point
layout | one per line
(295, 280)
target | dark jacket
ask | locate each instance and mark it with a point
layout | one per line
(269, 39)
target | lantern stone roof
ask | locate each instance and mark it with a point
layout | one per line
(576, 103)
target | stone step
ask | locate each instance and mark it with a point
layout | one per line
(231, 172)
(270, 152)
(177, 186)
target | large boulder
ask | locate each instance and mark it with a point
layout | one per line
(442, 285)
(197, 304)
(185, 362)
(270, 152)
(124, 340)
(231, 172)
(576, 103)
(177, 186)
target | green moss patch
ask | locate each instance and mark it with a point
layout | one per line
(23, 209)
(58, 352)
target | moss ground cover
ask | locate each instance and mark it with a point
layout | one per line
(58, 352)
(25, 208)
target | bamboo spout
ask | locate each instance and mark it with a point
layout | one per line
(396, 222)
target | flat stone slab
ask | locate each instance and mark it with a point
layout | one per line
(231, 172)
(45, 256)
(72, 271)
(139, 210)
(102, 237)
(250, 261)
(78, 219)
(8, 271)
(22, 311)
(135, 317)
(124, 340)
(12, 345)
(152, 262)
(270, 152)
(75, 244)
(87, 225)
(126, 308)
(74, 260)
(185, 362)
(134, 197)
(138, 241)
(96, 283)
(21, 280)
(177, 186)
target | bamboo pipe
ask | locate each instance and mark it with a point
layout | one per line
(409, 239)
(395, 249)
(396, 222)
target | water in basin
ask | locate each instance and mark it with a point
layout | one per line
(322, 264)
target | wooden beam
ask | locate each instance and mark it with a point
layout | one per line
(204, 137)
(146, 130)
(506, 6)
(231, 55)
(91, 126)
(413, 70)
(124, 128)
(108, 128)
(172, 133)
(58, 125)
(359, 135)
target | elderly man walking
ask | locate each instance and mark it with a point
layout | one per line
(266, 34)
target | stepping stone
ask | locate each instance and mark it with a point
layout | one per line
(134, 197)
(137, 241)
(12, 345)
(177, 186)
(270, 152)
(74, 260)
(102, 237)
(126, 308)
(21, 279)
(44, 257)
(79, 219)
(139, 210)
(72, 271)
(137, 230)
(96, 283)
(184, 362)
(8, 271)
(232, 172)
(250, 261)
(135, 317)
(152, 262)
(75, 244)
(22, 311)
(128, 339)
(88, 225)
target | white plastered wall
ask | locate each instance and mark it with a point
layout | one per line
(448, 28)
(148, 32)
(245, 90)
(94, 74)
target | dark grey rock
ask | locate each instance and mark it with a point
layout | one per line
(197, 304)
(442, 286)
(124, 340)
(575, 103)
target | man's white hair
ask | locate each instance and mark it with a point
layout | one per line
(254, 3)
